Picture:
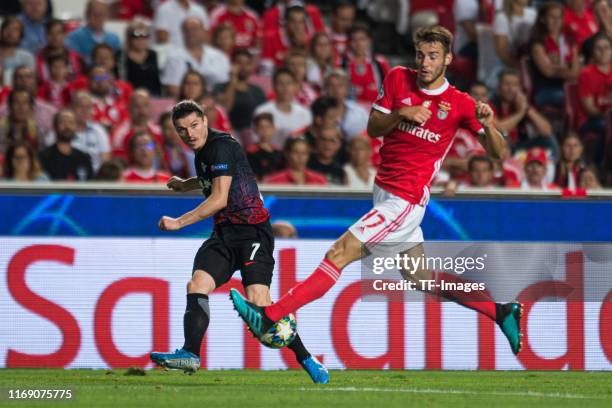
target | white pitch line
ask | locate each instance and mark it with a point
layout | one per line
(454, 392)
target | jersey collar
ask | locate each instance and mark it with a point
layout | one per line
(438, 91)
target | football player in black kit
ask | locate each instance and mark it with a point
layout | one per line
(242, 237)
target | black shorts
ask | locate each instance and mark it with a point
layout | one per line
(248, 247)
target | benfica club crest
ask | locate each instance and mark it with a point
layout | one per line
(443, 109)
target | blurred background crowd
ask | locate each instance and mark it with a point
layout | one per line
(86, 87)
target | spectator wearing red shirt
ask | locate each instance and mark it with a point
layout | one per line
(56, 34)
(297, 154)
(366, 71)
(102, 55)
(579, 22)
(595, 95)
(535, 171)
(275, 17)
(109, 107)
(128, 9)
(524, 126)
(342, 19)
(570, 163)
(176, 154)
(193, 86)
(54, 89)
(602, 11)
(295, 61)
(143, 156)
(138, 120)
(244, 21)
(554, 58)
(276, 43)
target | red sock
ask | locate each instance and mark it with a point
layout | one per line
(478, 300)
(312, 288)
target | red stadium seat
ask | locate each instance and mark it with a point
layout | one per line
(570, 89)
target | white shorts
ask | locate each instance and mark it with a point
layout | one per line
(392, 220)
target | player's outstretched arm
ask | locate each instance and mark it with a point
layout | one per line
(492, 139)
(183, 185)
(213, 204)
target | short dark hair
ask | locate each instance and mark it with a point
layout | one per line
(280, 71)
(185, 108)
(52, 23)
(263, 116)
(321, 105)
(60, 57)
(59, 113)
(338, 4)
(241, 51)
(358, 27)
(295, 8)
(434, 34)
(164, 117)
(479, 158)
(508, 72)
(292, 141)
(15, 91)
(102, 46)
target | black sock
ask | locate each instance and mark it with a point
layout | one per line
(299, 349)
(195, 321)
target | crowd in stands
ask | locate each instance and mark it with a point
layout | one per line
(293, 83)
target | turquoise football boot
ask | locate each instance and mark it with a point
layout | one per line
(253, 315)
(509, 321)
(181, 359)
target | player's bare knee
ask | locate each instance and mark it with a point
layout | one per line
(200, 282)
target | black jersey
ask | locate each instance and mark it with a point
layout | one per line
(222, 155)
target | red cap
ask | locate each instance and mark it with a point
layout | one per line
(536, 154)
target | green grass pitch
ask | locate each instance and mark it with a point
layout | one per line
(293, 388)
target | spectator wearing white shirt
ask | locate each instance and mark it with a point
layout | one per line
(169, 18)
(359, 171)
(290, 118)
(466, 17)
(91, 138)
(353, 118)
(511, 28)
(212, 63)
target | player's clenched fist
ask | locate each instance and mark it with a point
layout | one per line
(484, 114)
(176, 184)
(169, 224)
(419, 114)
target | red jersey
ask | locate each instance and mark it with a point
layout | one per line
(285, 177)
(579, 27)
(596, 84)
(273, 18)
(53, 93)
(412, 154)
(246, 25)
(366, 78)
(133, 175)
(124, 131)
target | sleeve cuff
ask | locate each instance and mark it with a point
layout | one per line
(381, 108)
